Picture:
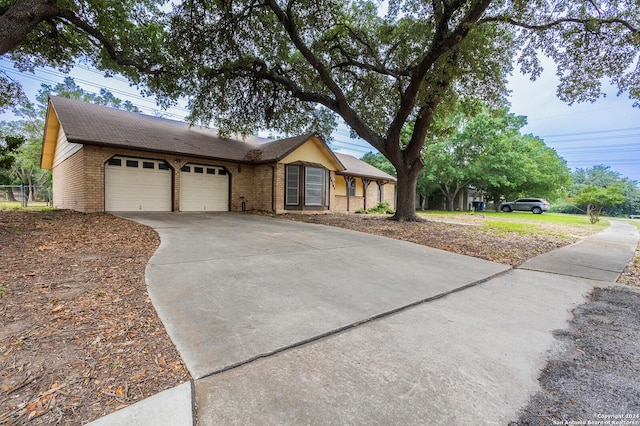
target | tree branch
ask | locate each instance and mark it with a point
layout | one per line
(442, 43)
(542, 27)
(113, 53)
(339, 104)
(24, 16)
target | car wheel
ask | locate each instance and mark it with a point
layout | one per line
(506, 209)
(536, 210)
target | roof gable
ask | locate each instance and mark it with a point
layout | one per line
(313, 150)
(92, 124)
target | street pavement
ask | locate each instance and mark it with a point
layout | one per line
(281, 322)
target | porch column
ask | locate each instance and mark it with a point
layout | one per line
(350, 180)
(365, 185)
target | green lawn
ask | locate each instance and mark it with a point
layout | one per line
(16, 205)
(520, 222)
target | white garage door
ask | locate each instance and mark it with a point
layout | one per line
(134, 184)
(204, 188)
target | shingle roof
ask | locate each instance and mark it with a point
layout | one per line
(356, 167)
(98, 125)
(92, 124)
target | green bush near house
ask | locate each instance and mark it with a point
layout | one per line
(380, 208)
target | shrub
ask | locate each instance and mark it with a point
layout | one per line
(380, 208)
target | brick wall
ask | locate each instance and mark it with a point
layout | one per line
(68, 183)
(260, 187)
(78, 182)
(355, 203)
(389, 194)
(279, 189)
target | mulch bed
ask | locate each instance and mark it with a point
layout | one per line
(467, 236)
(79, 337)
(464, 237)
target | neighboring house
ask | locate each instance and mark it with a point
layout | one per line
(105, 159)
(462, 202)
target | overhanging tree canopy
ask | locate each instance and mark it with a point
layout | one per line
(297, 64)
(123, 36)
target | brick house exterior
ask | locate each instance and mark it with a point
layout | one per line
(90, 148)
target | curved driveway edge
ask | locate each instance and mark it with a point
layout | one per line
(233, 287)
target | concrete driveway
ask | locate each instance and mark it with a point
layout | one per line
(231, 288)
(290, 323)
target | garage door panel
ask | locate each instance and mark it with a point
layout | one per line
(145, 187)
(204, 188)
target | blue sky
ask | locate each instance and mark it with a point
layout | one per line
(605, 132)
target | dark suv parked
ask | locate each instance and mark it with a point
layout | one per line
(534, 205)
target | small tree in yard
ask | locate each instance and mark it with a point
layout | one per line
(598, 198)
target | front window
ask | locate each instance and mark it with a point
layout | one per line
(306, 187)
(351, 187)
(293, 185)
(313, 186)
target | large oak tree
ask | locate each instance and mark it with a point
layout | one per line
(293, 65)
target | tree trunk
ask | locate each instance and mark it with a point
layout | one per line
(10, 195)
(496, 201)
(21, 18)
(406, 195)
(450, 199)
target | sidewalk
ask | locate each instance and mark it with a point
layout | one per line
(472, 357)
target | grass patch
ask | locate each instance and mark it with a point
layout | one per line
(581, 221)
(634, 222)
(504, 227)
(34, 206)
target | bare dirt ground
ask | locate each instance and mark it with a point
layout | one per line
(594, 379)
(79, 337)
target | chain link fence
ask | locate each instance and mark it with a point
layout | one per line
(24, 196)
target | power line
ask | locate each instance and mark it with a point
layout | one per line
(125, 94)
(597, 138)
(591, 132)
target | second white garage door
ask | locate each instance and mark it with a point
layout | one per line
(204, 188)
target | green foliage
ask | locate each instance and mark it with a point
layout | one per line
(489, 153)
(565, 207)
(596, 199)
(9, 146)
(123, 36)
(380, 162)
(382, 207)
(24, 167)
(602, 176)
